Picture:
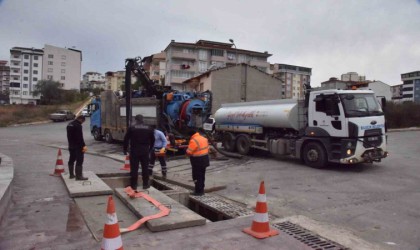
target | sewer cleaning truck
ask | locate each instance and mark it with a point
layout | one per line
(175, 112)
(340, 126)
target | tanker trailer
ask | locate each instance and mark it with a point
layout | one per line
(342, 126)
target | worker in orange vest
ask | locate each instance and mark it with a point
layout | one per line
(198, 151)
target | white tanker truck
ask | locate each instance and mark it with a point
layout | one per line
(341, 126)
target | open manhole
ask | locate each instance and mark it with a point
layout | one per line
(307, 237)
(211, 207)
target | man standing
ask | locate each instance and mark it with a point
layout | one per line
(198, 150)
(77, 147)
(158, 151)
(141, 139)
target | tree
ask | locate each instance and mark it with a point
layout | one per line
(49, 90)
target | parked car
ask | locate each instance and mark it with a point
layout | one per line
(85, 112)
(62, 115)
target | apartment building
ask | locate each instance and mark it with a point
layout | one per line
(63, 65)
(4, 77)
(114, 80)
(396, 92)
(25, 72)
(187, 60)
(91, 80)
(157, 67)
(353, 76)
(293, 77)
(411, 86)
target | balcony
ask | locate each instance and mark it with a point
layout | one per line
(189, 68)
(259, 63)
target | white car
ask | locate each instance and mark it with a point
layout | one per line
(85, 112)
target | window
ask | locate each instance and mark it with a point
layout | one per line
(231, 56)
(327, 104)
(202, 54)
(25, 71)
(63, 64)
(35, 79)
(35, 72)
(217, 52)
(25, 92)
(25, 86)
(36, 65)
(50, 56)
(16, 56)
(49, 77)
(63, 71)
(188, 51)
(15, 71)
(26, 56)
(63, 78)
(202, 66)
(63, 57)
(35, 57)
(25, 64)
(15, 78)
(25, 78)
(50, 70)
(242, 58)
(50, 63)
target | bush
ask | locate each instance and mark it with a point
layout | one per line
(402, 115)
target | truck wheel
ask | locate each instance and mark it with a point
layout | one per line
(314, 155)
(243, 144)
(229, 142)
(108, 136)
(97, 134)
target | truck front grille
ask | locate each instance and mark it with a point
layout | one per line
(372, 138)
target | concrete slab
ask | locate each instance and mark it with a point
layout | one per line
(179, 217)
(94, 214)
(210, 185)
(93, 186)
(217, 235)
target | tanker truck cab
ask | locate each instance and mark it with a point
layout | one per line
(349, 124)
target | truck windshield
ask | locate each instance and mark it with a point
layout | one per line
(360, 105)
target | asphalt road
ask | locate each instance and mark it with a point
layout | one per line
(379, 202)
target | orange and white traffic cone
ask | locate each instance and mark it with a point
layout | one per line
(126, 163)
(59, 166)
(260, 227)
(112, 236)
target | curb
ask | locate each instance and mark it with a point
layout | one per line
(6, 178)
(403, 129)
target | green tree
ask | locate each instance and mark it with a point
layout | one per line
(50, 91)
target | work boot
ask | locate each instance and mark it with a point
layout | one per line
(71, 171)
(79, 174)
(164, 174)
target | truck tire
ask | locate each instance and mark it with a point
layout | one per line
(108, 136)
(314, 155)
(97, 134)
(243, 144)
(228, 142)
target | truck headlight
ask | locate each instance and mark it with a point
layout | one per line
(348, 151)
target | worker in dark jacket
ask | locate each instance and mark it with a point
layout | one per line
(77, 147)
(141, 139)
(198, 151)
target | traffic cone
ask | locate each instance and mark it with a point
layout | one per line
(260, 227)
(126, 163)
(59, 166)
(112, 236)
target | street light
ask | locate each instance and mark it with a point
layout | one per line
(236, 50)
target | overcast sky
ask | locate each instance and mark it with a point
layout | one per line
(376, 38)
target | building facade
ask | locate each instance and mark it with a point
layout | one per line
(237, 83)
(411, 86)
(293, 77)
(4, 77)
(91, 80)
(396, 92)
(26, 66)
(352, 77)
(187, 60)
(63, 65)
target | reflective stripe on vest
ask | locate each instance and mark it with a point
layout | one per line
(200, 151)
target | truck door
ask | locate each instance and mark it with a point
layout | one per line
(327, 113)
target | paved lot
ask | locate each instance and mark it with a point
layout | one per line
(379, 203)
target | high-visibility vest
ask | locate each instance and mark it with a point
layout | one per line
(198, 146)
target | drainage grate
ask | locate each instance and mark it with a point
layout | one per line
(168, 186)
(228, 209)
(307, 237)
